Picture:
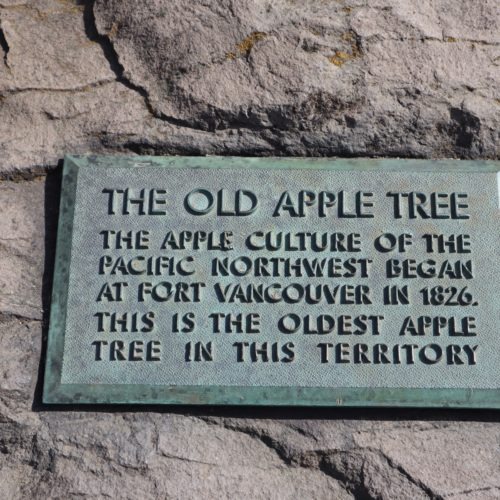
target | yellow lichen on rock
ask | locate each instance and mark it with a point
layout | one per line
(244, 47)
(113, 31)
(339, 58)
(71, 6)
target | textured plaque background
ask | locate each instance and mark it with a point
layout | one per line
(73, 375)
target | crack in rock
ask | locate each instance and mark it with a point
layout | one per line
(5, 46)
(80, 88)
(28, 175)
(6, 316)
(417, 482)
(348, 467)
(474, 490)
(288, 459)
(117, 68)
(311, 109)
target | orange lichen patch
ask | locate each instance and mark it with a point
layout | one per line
(113, 31)
(339, 58)
(247, 44)
(244, 47)
(71, 6)
(28, 9)
(347, 10)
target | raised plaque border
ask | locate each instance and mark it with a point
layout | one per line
(56, 393)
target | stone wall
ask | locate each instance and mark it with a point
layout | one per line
(282, 77)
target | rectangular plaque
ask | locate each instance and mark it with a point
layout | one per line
(258, 281)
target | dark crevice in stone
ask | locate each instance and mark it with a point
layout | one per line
(419, 484)
(267, 440)
(114, 63)
(337, 469)
(146, 148)
(463, 131)
(321, 460)
(474, 490)
(83, 88)
(5, 46)
(347, 467)
(27, 175)
(43, 457)
(6, 316)
(107, 47)
(466, 126)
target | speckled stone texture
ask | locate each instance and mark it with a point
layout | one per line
(282, 77)
(253, 77)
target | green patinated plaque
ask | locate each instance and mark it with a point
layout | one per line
(258, 281)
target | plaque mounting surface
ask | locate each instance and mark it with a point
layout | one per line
(257, 281)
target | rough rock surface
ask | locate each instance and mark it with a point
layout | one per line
(255, 77)
(282, 77)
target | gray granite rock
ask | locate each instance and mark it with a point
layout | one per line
(309, 77)
(371, 77)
